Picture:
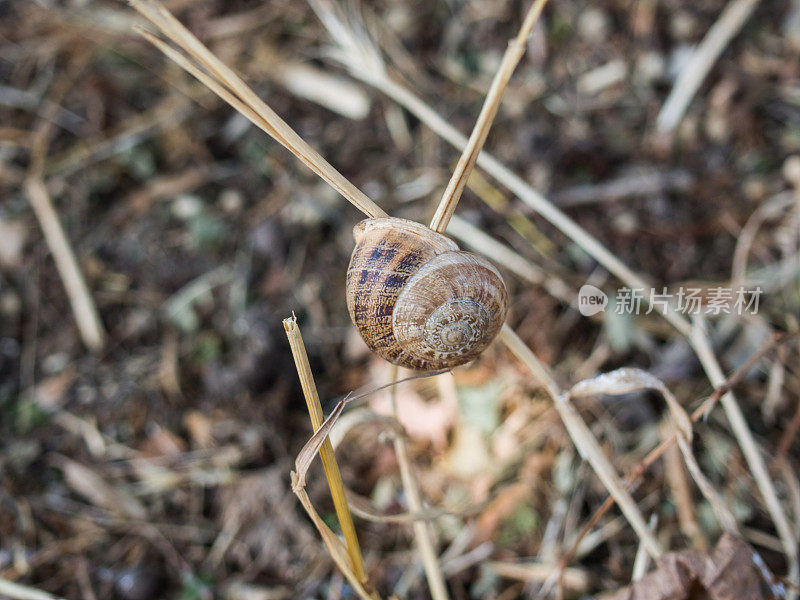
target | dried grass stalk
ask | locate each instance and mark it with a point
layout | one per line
(579, 543)
(589, 448)
(336, 549)
(512, 56)
(422, 533)
(699, 64)
(755, 461)
(227, 85)
(83, 308)
(641, 561)
(676, 476)
(326, 450)
(627, 380)
(23, 592)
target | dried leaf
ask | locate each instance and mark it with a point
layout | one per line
(732, 571)
(89, 484)
(335, 93)
(422, 420)
(200, 428)
(51, 392)
(162, 442)
(627, 380)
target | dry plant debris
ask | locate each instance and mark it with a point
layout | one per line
(731, 571)
(178, 236)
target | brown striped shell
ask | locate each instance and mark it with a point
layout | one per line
(417, 300)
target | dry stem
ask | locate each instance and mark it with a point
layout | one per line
(23, 592)
(326, 451)
(512, 56)
(422, 533)
(697, 67)
(678, 481)
(639, 470)
(641, 560)
(83, 307)
(225, 83)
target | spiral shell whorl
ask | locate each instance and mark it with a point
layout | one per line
(451, 309)
(418, 301)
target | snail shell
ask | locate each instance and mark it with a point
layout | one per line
(417, 300)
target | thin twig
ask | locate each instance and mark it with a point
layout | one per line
(777, 338)
(83, 308)
(422, 533)
(512, 56)
(326, 451)
(755, 460)
(23, 592)
(697, 67)
(642, 559)
(678, 481)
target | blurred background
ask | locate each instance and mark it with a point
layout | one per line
(157, 466)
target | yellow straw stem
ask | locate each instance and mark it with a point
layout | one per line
(514, 52)
(326, 451)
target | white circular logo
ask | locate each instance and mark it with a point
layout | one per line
(591, 300)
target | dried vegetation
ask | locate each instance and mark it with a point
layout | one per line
(145, 220)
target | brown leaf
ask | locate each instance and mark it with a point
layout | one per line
(200, 428)
(162, 442)
(732, 571)
(421, 419)
(499, 509)
(93, 487)
(50, 393)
